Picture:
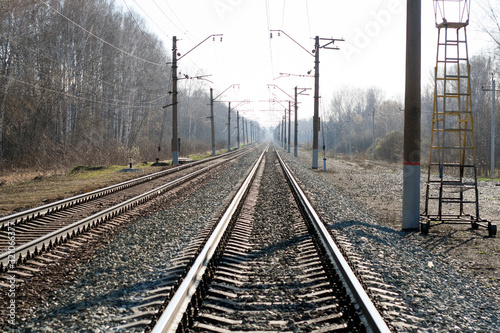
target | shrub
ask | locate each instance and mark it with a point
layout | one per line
(390, 147)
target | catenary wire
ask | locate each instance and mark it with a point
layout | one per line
(149, 17)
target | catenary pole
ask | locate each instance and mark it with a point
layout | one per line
(373, 135)
(229, 127)
(296, 129)
(284, 127)
(328, 45)
(243, 131)
(212, 100)
(282, 132)
(175, 148)
(289, 124)
(411, 142)
(493, 122)
(316, 104)
(492, 152)
(238, 127)
(350, 136)
(175, 133)
(212, 120)
(280, 135)
(295, 139)
(324, 144)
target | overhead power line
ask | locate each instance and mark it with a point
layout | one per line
(180, 21)
(150, 19)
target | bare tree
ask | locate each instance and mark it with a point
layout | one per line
(83, 82)
(489, 19)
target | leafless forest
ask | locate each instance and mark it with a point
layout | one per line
(353, 113)
(84, 82)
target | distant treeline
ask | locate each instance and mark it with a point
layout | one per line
(349, 120)
(84, 82)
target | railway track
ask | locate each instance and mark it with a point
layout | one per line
(271, 267)
(269, 264)
(27, 234)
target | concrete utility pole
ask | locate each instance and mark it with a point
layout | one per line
(324, 144)
(212, 100)
(301, 92)
(238, 127)
(411, 144)
(492, 162)
(229, 122)
(282, 132)
(493, 122)
(245, 134)
(279, 132)
(229, 127)
(295, 138)
(373, 135)
(350, 137)
(175, 136)
(289, 124)
(316, 124)
(317, 46)
(212, 120)
(284, 126)
(316, 104)
(243, 131)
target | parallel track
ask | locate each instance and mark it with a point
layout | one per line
(235, 284)
(41, 228)
(64, 204)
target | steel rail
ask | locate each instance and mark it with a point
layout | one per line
(30, 214)
(173, 313)
(55, 237)
(369, 311)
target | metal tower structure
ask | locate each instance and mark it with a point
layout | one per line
(451, 189)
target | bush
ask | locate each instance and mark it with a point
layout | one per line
(390, 147)
(83, 168)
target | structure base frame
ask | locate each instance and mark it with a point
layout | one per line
(428, 221)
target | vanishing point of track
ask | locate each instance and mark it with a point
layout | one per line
(270, 264)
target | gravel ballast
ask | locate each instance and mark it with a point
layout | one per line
(448, 279)
(441, 289)
(277, 282)
(118, 276)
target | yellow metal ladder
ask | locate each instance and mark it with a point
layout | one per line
(451, 189)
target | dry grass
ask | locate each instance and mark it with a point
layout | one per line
(20, 190)
(23, 189)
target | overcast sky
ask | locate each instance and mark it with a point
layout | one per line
(373, 53)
